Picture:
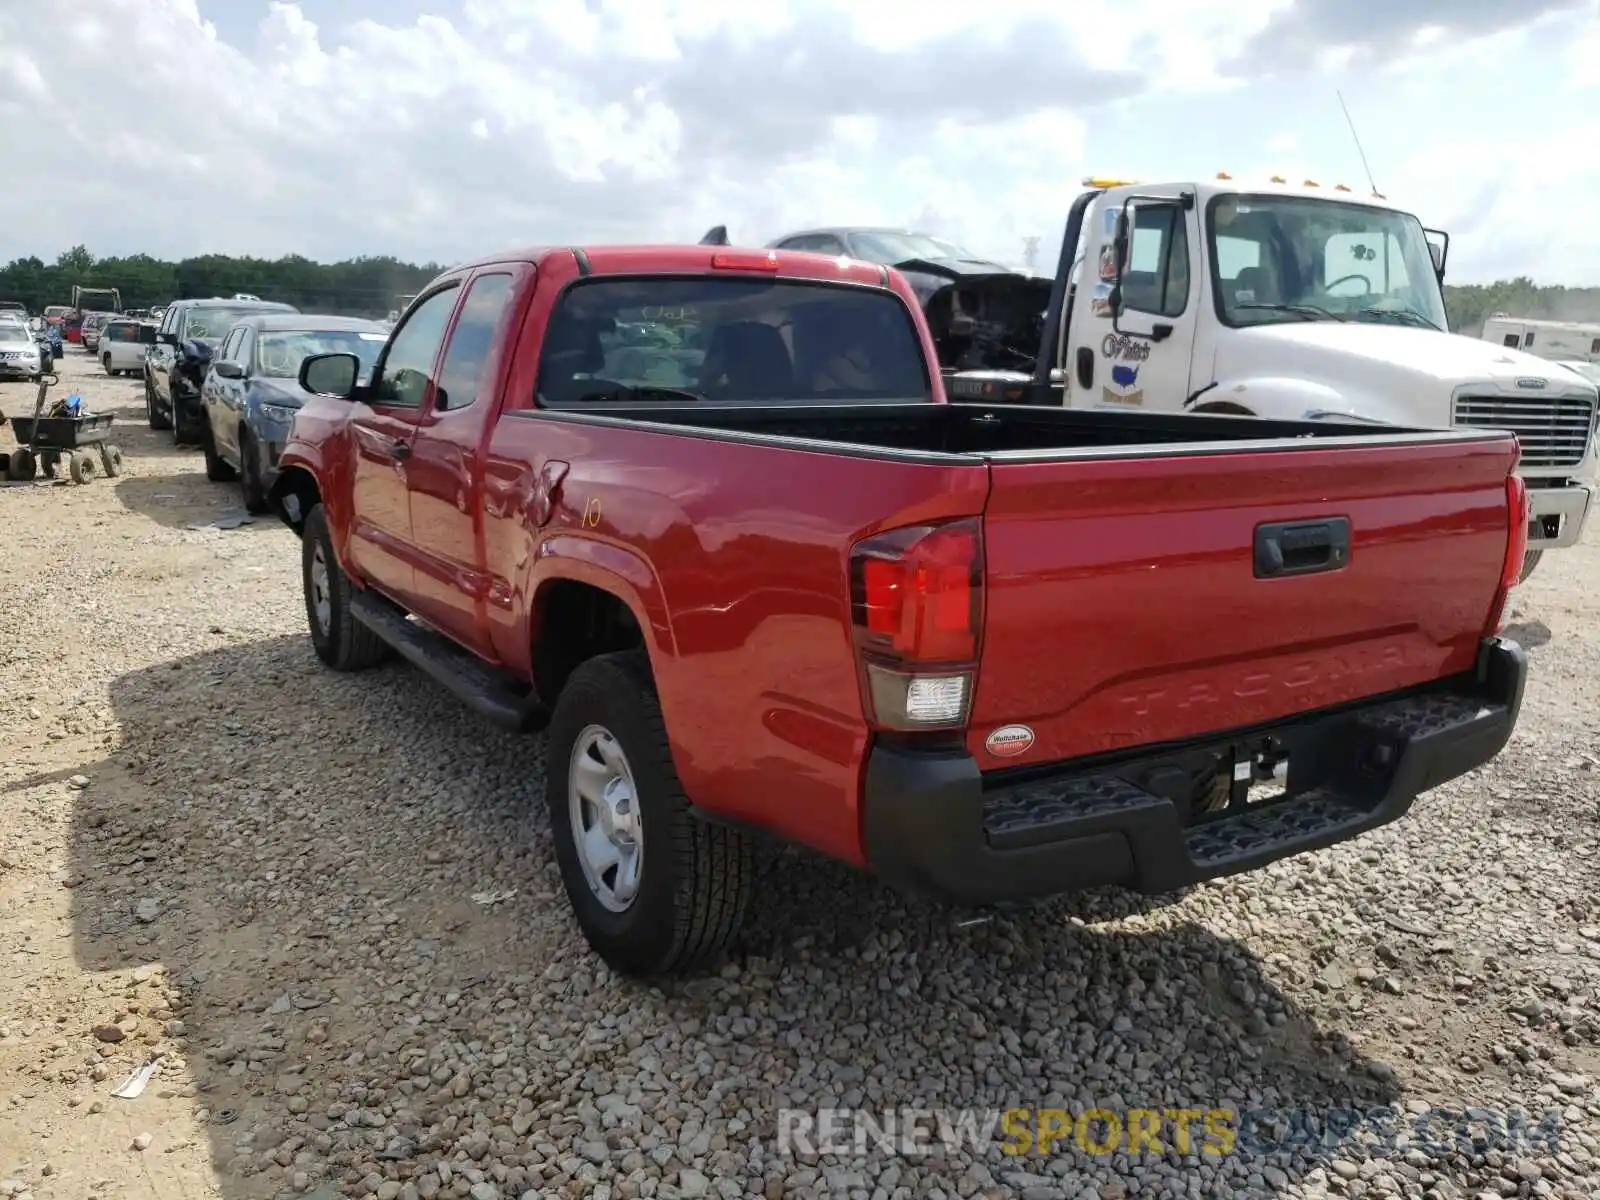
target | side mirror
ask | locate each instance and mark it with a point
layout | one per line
(147, 335)
(330, 375)
(167, 339)
(229, 369)
(1438, 249)
(1119, 253)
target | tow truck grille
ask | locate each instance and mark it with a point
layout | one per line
(1552, 432)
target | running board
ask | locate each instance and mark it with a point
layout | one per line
(491, 693)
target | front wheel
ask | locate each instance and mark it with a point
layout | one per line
(157, 419)
(255, 494)
(655, 890)
(340, 640)
(217, 470)
(1530, 560)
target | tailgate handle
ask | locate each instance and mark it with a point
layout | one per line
(1301, 547)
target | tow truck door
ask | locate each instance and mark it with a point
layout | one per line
(1139, 355)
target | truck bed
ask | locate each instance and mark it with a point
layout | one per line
(962, 431)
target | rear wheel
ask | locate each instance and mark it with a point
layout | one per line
(340, 640)
(255, 495)
(217, 470)
(157, 419)
(105, 361)
(22, 465)
(655, 889)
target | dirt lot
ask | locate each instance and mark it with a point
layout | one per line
(214, 850)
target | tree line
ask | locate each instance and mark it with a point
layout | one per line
(356, 287)
(371, 286)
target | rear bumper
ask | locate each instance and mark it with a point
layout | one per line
(931, 825)
(1558, 516)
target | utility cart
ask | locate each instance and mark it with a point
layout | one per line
(42, 442)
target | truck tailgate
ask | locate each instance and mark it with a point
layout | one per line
(1124, 605)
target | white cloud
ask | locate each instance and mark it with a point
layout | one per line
(309, 128)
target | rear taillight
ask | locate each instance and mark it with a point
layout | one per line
(1518, 517)
(916, 598)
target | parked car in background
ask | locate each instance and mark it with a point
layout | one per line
(252, 391)
(89, 331)
(122, 347)
(20, 355)
(176, 367)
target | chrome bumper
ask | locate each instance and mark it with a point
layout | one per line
(1558, 516)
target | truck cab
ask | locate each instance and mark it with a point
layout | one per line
(1301, 302)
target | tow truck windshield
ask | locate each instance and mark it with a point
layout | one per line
(1291, 258)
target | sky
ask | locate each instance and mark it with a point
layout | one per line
(439, 130)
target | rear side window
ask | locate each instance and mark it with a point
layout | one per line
(730, 340)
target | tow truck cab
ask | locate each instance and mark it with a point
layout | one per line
(1301, 302)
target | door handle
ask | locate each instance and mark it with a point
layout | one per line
(1301, 547)
(400, 450)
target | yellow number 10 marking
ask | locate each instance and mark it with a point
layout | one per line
(591, 514)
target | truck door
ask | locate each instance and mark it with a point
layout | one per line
(444, 471)
(1138, 356)
(380, 548)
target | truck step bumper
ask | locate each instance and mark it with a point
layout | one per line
(932, 824)
(1557, 516)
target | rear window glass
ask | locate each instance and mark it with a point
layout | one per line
(729, 341)
(122, 331)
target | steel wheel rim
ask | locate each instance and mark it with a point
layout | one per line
(603, 808)
(321, 591)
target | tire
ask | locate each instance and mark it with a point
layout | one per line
(1530, 560)
(693, 878)
(22, 466)
(105, 361)
(111, 459)
(217, 471)
(157, 419)
(341, 641)
(182, 433)
(255, 495)
(81, 466)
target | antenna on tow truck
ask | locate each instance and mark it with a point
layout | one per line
(1357, 138)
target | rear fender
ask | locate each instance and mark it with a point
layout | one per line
(621, 571)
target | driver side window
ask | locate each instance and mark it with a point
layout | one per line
(1155, 278)
(405, 376)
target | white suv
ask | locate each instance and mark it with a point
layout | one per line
(122, 350)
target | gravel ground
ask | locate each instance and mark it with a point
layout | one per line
(215, 850)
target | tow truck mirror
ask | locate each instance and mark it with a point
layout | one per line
(1119, 254)
(330, 375)
(1438, 249)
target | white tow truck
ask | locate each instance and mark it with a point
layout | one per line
(1277, 301)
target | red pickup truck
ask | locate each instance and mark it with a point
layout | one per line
(706, 514)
